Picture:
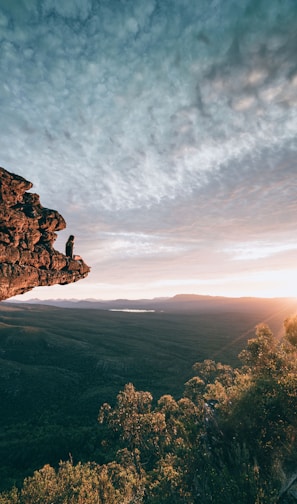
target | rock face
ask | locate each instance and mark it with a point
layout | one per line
(27, 234)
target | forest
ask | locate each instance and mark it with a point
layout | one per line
(230, 437)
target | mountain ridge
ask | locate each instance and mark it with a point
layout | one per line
(179, 302)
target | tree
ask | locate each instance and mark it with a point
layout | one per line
(87, 483)
(232, 437)
(291, 330)
(138, 428)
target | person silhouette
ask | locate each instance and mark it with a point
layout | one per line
(69, 247)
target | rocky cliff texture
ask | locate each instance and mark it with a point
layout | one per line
(27, 234)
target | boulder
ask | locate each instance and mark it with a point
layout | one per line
(27, 234)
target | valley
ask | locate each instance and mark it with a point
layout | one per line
(58, 365)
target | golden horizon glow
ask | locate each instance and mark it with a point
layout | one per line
(268, 284)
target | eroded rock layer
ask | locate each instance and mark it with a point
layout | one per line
(27, 233)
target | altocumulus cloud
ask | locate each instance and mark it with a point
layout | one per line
(172, 117)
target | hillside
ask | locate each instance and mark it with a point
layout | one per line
(59, 365)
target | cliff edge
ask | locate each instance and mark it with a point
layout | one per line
(27, 233)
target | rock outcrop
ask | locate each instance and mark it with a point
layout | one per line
(27, 233)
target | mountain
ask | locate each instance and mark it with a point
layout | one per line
(180, 303)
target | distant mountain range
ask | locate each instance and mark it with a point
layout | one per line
(178, 303)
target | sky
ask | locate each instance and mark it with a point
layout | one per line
(164, 132)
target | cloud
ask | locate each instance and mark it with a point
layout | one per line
(69, 9)
(169, 124)
(247, 251)
(84, 89)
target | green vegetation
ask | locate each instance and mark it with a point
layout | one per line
(230, 437)
(58, 365)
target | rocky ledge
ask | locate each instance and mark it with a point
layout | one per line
(27, 233)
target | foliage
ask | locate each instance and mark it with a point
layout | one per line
(291, 330)
(78, 484)
(230, 438)
(58, 364)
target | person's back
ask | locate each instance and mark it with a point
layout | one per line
(69, 246)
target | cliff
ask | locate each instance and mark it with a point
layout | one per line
(27, 233)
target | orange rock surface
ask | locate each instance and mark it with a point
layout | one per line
(27, 234)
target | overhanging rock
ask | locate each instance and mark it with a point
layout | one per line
(27, 233)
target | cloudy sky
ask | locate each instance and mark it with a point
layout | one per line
(164, 132)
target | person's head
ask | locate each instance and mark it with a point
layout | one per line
(71, 238)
